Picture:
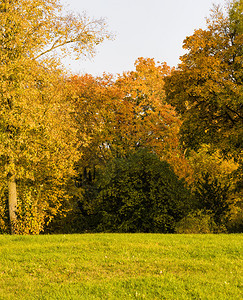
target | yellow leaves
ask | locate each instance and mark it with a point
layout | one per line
(35, 28)
(211, 161)
(37, 122)
(148, 79)
(39, 139)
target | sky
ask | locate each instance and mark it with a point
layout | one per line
(143, 28)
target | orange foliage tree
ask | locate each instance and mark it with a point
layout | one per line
(207, 86)
(123, 114)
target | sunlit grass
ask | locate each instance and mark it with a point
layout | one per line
(121, 266)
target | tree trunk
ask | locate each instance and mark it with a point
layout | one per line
(12, 203)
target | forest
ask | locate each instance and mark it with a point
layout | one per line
(154, 150)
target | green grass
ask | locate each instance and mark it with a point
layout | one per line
(121, 266)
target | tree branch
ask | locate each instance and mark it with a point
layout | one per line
(53, 47)
(233, 111)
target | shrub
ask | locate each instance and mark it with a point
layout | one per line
(235, 221)
(198, 221)
(138, 193)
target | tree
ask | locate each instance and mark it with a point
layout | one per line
(122, 115)
(146, 119)
(37, 148)
(206, 90)
(36, 143)
(95, 101)
(216, 184)
(154, 123)
(213, 196)
(207, 86)
(138, 193)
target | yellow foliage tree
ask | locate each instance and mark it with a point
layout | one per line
(38, 139)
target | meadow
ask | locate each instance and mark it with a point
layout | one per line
(121, 266)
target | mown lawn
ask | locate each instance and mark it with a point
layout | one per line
(121, 266)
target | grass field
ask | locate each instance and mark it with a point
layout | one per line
(121, 266)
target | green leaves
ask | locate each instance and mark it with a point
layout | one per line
(138, 193)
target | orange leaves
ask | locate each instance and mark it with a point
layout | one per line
(148, 79)
(207, 87)
(144, 90)
(121, 115)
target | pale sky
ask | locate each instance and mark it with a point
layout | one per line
(143, 28)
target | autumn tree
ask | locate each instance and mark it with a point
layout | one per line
(207, 86)
(37, 142)
(206, 90)
(153, 122)
(95, 101)
(124, 114)
(146, 119)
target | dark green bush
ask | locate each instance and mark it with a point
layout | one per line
(138, 193)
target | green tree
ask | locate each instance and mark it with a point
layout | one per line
(137, 193)
(38, 140)
(214, 197)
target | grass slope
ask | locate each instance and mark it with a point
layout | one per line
(121, 266)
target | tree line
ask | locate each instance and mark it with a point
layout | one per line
(157, 149)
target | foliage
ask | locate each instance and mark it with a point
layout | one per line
(213, 196)
(37, 136)
(37, 145)
(198, 221)
(211, 161)
(4, 222)
(235, 221)
(122, 115)
(138, 193)
(95, 101)
(207, 86)
(206, 90)
(216, 183)
(152, 122)
(35, 29)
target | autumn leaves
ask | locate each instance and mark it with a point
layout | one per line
(53, 126)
